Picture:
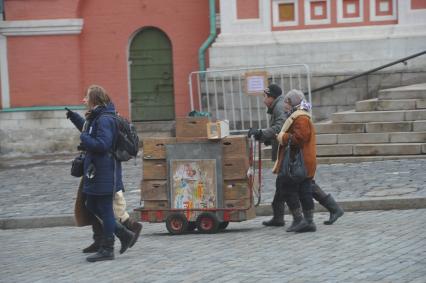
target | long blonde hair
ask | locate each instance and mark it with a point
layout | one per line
(97, 96)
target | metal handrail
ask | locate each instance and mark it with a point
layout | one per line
(368, 72)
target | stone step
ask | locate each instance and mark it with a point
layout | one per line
(337, 128)
(376, 104)
(419, 126)
(371, 138)
(385, 127)
(267, 163)
(371, 149)
(378, 116)
(389, 149)
(417, 91)
(354, 150)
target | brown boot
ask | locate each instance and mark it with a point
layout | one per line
(135, 227)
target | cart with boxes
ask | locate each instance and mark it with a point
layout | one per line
(198, 179)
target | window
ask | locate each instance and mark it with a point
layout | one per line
(285, 12)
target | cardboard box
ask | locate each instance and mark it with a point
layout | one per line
(191, 127)
(218, 129)
(234, 190)
(155, 148)
(154, 190)
(235, 146)
(154, 169)
(235, 168)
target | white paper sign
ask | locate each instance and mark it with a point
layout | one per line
(255, 84)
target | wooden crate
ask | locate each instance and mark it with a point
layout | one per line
(154, 169)
(237, 203)
(191, 126)
(156, 204)
(155, 148)
(192, 139)
(243, 215)
(236, 189)
(154, 190)
(235, 146)
(235, 168)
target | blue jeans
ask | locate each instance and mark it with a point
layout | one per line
(101, 206)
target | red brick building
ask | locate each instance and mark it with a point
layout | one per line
(141, 51)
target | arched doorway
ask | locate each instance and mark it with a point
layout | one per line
(151, 76)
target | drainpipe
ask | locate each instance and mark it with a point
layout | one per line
(206, 44)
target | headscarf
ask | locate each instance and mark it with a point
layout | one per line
(297, 100)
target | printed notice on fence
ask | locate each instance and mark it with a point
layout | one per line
(256, 82)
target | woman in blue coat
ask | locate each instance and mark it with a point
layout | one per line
(102, 173)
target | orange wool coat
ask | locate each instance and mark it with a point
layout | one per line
(302, 131)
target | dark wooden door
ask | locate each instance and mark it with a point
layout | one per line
(151, 74)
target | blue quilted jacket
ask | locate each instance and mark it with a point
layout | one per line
(97, 137)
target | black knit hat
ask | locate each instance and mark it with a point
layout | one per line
(273, 90)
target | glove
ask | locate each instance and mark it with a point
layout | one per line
(257, 133)
(69, 113)
(81, 147)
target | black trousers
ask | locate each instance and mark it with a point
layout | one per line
(294, 194)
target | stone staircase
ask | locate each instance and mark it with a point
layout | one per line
(391, 125)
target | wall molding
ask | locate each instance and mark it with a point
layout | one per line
(4, 73)
(41, 27)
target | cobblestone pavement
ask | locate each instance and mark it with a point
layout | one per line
(34, 188)
(374, 246)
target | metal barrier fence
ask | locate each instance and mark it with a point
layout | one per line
(223, 93)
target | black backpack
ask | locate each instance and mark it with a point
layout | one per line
(126, 143)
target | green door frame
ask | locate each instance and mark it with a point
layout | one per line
(151, 86)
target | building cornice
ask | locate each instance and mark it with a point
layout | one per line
(41, 27)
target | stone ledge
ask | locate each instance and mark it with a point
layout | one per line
(386, 203)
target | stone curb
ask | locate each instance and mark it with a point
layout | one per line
(262, 210)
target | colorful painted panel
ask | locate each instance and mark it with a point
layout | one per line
(193, 183)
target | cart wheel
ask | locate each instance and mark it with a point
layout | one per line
(176, 223)
(223, 225)
(191, 226)
(207, 223)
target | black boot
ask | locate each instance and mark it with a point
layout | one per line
(335, 210)
(328, 202)
(278, 217)
(97, 236)
(124, 235)
(297, 218)
(307, 224)
(105, 252)
(135, 227)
